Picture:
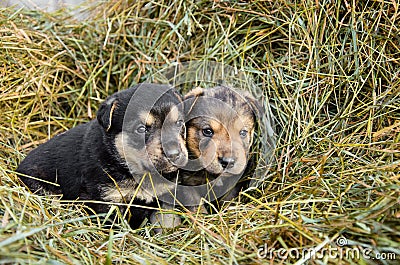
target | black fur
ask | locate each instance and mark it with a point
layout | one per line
(84, 159)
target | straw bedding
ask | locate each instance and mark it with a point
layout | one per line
(330, 71)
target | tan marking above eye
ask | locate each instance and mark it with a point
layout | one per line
(245, 122)
(215, 125)
(147, 118)
(174, 114)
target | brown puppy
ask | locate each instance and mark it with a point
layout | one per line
(220, 124)
(220, 129)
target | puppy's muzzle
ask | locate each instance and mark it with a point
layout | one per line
(175, 154)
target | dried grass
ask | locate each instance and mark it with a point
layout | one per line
(329, 69)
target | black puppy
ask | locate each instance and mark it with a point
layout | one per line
(138, 132)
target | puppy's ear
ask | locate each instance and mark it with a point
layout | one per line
(191, 98)
(256, 106)
(105, 113)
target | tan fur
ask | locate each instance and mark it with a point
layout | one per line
(131, 155)
(135, 159)
(225, 142)
(128, 189)
(174, 114)
(227, 122)
(198, 91)
(114, 105)
(125, 190)
(147, 118)
(141, 160)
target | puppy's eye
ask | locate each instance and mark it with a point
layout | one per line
(243, 133)
(208, 132)
(141, 129)
(180, 123)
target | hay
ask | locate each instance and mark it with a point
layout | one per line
(331, 74)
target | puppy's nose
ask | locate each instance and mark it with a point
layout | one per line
(226, 162)
(173, 154)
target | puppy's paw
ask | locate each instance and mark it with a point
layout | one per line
(164, 221)
(200, 209)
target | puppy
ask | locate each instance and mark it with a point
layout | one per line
(138, 133)
(220, 129)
